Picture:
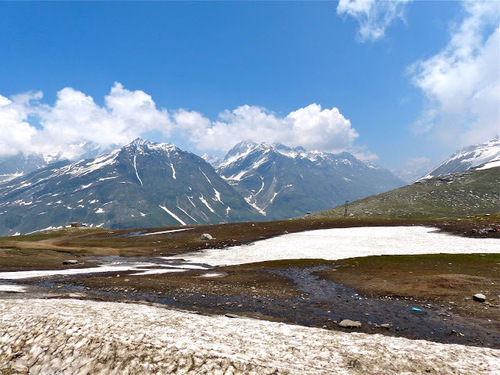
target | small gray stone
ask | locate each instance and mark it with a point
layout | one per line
(479, 297)
(70, 262)
(386, 325)
(206, 237)
(346, 323)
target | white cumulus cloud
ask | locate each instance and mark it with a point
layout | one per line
(311, 127)
(461, 83)
(29, 125)
(74, 118)
(15, 132)
(373, 16)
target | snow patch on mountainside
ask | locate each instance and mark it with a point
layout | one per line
(136, 172)
(204, 201)
(481, 156)
(172, 214)
(85, 167)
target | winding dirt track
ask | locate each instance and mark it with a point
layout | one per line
(68, 336)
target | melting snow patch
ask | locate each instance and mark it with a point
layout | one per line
(12, 288)
(136, 172)
(192, 218)
(107, 178)
(100, 211)
(212, 274)
(217, 196)
(210, 182)
(172, 166)
(254, 205)
(349, 243)
(18, 275)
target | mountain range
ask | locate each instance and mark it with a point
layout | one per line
(12, 166)
(282, 182)
(142, 184)
(146, 184)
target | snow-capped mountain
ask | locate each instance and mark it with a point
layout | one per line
(214, 160)
(283, 182)
(13, 166)
(481, 156)
(141, 184)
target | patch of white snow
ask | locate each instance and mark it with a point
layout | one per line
(172, 214)
(136, 172)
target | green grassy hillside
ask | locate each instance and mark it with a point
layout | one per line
(454, 195)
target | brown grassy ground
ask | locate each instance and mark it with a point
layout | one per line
(447, 279)
(47, 250)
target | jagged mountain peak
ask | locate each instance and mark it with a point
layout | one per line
(213, 160)
(245, 149)
(143, 145)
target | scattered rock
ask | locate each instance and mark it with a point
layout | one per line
(386, 325)
(206, 237)
(346, 323)
(479, 297)
(70, 262)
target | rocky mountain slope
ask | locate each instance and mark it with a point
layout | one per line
(458, 194)
(142, 184)
(480, 156)
(12, 166)
(282, 182)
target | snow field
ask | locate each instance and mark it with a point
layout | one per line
(341, 243)
(87, 337)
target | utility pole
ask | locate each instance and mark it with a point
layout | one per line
(346, 205)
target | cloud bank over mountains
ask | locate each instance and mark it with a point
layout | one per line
(27, 124)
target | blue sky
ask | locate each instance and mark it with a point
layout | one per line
(401, 83)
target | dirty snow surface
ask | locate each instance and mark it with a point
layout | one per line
(87, 337)
(341, 243)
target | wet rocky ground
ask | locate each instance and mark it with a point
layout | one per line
(291, 294)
